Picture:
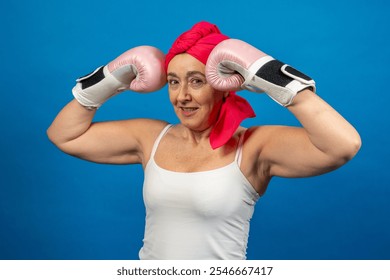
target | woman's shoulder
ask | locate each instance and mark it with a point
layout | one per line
(257, 136)
(145, 132)
(143, 129)
(145, 125)
(265, 130)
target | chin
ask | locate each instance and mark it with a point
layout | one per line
(194, 125)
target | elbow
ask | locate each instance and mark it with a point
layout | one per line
(354, 145)
(62, 144)
(347, 150)
(52, 136)
(49, 134)
(55, 139)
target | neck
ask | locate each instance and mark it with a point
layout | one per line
(196, 137)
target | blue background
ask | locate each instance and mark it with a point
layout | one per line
(54, 206)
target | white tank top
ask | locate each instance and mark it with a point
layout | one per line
(196, 215)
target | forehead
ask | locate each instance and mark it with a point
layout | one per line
(183, 63)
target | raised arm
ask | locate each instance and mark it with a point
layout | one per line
(139, 69)
(324, 142)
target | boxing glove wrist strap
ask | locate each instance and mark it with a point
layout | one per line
(92, 90)
(280, 81)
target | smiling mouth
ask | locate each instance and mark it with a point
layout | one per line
(189, 109)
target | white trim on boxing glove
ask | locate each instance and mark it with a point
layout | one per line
(93, 96)
(310, 82)
(288, 87)
(255, 67)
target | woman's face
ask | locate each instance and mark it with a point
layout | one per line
(195, 102)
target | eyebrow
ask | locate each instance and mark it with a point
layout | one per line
(188, 74)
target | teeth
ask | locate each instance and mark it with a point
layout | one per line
(189, 109)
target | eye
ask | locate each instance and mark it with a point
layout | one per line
(196, 83)
(172, 82)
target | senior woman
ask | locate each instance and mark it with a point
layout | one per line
(204, 175)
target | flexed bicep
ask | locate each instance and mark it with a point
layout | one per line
(290, 153)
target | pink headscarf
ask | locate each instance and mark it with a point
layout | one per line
(198, 42)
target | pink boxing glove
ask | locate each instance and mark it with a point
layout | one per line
(140, 69)
(234, 65)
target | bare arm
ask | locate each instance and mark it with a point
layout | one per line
(138, 69)
(116, 142)
(325, 142)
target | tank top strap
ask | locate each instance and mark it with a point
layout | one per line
(238, 156)
(158, 139)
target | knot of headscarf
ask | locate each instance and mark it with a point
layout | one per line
(198, 42)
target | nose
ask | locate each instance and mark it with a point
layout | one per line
(183, 94)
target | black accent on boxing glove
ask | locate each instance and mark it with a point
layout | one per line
(91, 78)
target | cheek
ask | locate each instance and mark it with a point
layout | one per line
(208, 95)
(214, 99)
(171, 96)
